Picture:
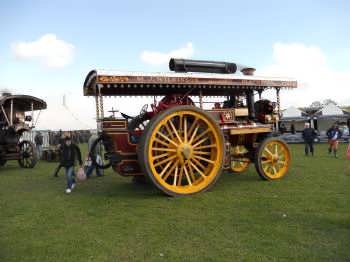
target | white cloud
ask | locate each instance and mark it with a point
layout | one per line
(158, 58)
(316, 80)
(48, 49)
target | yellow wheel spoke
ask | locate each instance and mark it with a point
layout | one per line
(266, 169)
(201, 141)
(198, 163)
(198, 170)
(181, 124)
(161, 142)
(268, 151)
(180, 176)
(175, 131)
(205, 147)
(201, 153)
(274, 170)
(187, 176)
(266, 161)
(160, 156)
(201, 135)
(194, 124)
(168, 139)
(191, 171)
(165, 168)
(204, 159)
(171, 170)
(276, 149)
(175, 175)
(165, 161)
(169, 131)
(163, 149)
(194, 134)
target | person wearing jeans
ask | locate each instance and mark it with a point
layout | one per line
(69, 153)
(334, 134)
(69, 171)
(90, 168)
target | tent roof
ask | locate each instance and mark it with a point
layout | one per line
(293, 112)
(330, 110)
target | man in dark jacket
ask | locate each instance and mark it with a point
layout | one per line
(69, 154)
(309, 134)
(334, 134)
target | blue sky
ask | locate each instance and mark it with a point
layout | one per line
(113, 34)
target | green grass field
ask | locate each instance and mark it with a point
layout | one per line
(303, 217)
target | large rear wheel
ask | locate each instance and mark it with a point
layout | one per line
(182, 151)
(272, 159)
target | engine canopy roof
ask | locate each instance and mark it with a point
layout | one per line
(115, 83)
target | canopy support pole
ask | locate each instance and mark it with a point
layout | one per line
(278, 107)
(4, 112)
(11, 113)
(278, 102)
(32, 113)
(200, 99)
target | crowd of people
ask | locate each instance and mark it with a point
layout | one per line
(69, 152)
(66, 144)
(77, 137)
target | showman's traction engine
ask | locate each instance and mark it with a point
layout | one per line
(182, 142)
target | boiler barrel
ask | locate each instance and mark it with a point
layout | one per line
(187, 65)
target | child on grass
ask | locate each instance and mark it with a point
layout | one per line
(69, 154)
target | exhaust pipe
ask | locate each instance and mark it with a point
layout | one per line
(203, 66)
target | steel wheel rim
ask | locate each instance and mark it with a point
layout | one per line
(185, 152)
(274, 159)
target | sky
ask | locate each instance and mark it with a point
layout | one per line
(48, 47)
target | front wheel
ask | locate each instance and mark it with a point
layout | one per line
(27, 154)
(182, 151)
(272, 159)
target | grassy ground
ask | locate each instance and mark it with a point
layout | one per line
(303, 217)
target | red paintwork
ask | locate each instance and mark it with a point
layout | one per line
(119, 137)
(170, 101)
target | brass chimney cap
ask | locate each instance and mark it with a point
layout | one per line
(248, 71)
